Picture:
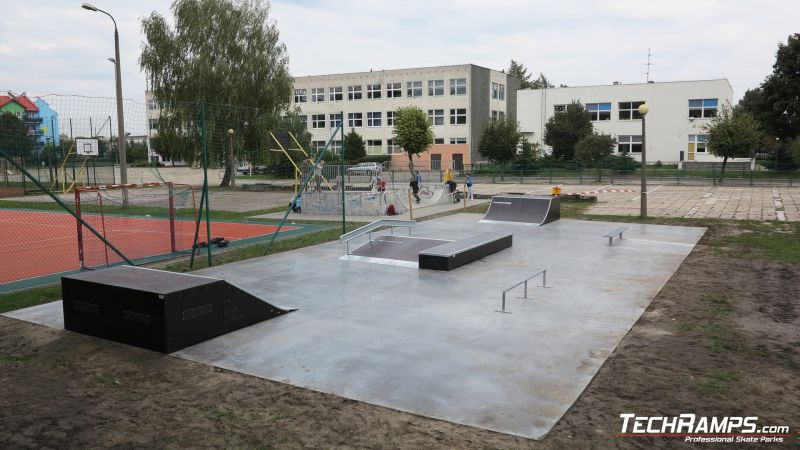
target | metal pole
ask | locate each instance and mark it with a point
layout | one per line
(341, 171)
(526, 289)
(643, 211)
(123, 159)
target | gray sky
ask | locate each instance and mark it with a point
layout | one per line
(54, 46)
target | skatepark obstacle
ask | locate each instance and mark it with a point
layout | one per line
(532, 210)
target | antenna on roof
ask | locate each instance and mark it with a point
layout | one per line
(648, 64)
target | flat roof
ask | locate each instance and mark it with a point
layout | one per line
(634, 84)
(396, 70)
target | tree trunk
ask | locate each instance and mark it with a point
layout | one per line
(228, 179)
(722, 172)
(411, 165)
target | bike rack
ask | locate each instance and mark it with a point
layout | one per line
(542, 272)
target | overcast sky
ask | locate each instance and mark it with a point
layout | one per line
(54, 46)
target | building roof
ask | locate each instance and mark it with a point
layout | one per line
(21, 100)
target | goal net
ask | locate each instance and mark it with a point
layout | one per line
(144, 221)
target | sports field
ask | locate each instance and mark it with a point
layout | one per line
(42, 243)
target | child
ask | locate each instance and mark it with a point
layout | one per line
(468, 182)
(415, 187)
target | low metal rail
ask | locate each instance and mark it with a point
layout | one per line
(542, 272)
(369, 228)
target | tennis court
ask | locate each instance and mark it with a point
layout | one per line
(40, 243)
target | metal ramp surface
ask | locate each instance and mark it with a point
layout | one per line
(524, 209)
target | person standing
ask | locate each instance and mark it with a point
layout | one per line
(418, 178)
(318, 175)
(468, 182)
(415, 187)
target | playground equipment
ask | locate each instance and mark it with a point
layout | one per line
(298, 172)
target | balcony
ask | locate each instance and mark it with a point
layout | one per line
(32, 120)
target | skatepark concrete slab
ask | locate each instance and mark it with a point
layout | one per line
(430, 342)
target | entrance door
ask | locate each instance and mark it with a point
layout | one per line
(436, 161)
(458, 161)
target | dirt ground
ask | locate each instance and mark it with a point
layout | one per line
(722, 338)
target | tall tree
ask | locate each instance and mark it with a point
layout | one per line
(564, 130)
(733, 133)
(220, 52)
(781, 91)
(542, 82)
(413, 132)
(14, 138)
(499, 141)
(354, 144)
(595, 147)
(520, 71)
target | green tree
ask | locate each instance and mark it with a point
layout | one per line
(354, 144)
(14, 138)
(499, 141)
(542, 82)
(794, 150)
(412, 132)
(520, 71)
(530, 152)
(733, 133)
(779, 110)
(595, 147)
(136, 152)
(564, 130)
(222, 52)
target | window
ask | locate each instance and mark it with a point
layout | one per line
(373, 119)
(697, 143)
(317, 146)
(374, 147)
(501, 114)
(599, 111)
(435, 87)
(495, 115)
(559, 108)
(318, 121)
(373, 91)
(335, 147)
(302, 118)
(354, 120)
(438, 140)
(389, 118)
(458, 140)
(317, 95)
(152, 104)
(502, 92)
(458, 86)
(436, 116)
(704, 108)
(392, 148)
(458, 116)
(630, 110)
(495, 91)
(394, 90)
(335, 119)
(300, 96)
(354, 92)
(414, 89)
(629, 144)
(336, 94)
(153, 123)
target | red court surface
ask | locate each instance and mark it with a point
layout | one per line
(40, 243)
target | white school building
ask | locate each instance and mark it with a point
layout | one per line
(678, 112)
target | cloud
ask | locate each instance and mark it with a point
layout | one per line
(576, 42)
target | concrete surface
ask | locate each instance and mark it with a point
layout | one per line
(430, 342)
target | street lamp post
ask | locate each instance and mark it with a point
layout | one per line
(643, 110)
(230, 157)
(123, 161)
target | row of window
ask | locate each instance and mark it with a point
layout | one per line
(375, 146)
(375, 119)
(698, 108)
(458, 86)
(633, 144)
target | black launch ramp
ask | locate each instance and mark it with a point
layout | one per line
(529, 209)
(158, 310)
(456, 254)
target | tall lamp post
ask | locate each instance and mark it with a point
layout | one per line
(230, 157)
(643, 110)
(123, 161)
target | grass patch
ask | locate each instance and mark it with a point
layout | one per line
(719, 304)
(255, 251)
(29, 297)
(767, 240)
(15, 359)
(717, 383)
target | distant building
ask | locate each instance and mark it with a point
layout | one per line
(678, 112)
(49, 127)
(460, 100)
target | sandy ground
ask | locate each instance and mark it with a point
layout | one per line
(721, 338)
